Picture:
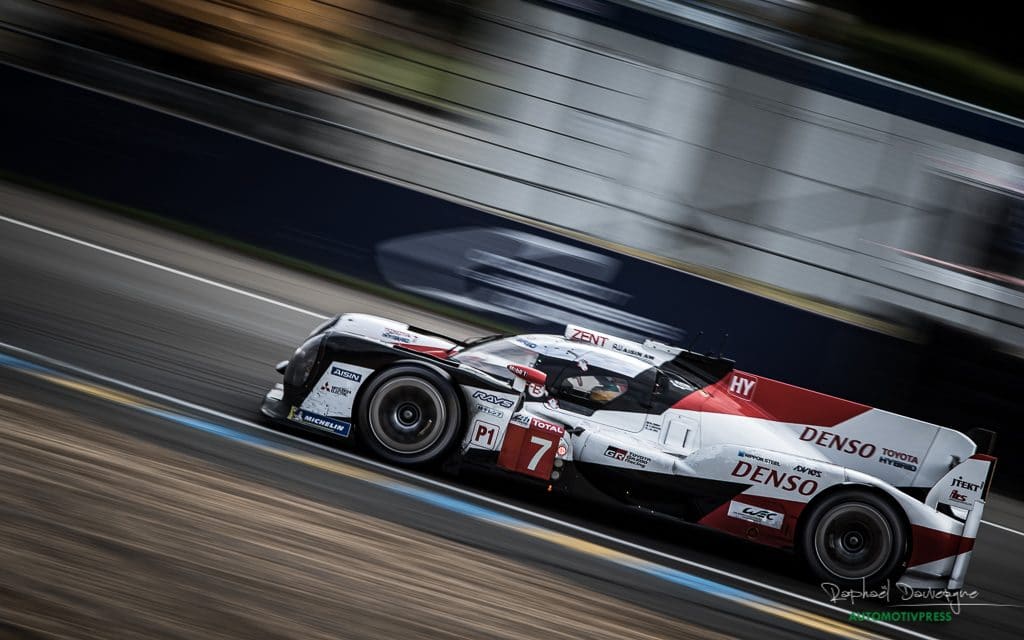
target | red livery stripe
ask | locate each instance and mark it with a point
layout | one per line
(744, 394)
(929, 545)
(437, 352)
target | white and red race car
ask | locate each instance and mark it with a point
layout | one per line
(863, 495)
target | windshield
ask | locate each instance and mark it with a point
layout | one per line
(494, 357)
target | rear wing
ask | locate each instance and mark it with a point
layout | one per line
(963, 491)
(963, 486)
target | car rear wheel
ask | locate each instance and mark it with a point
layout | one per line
(409, 415)
(854, 538)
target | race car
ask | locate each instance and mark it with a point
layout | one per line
(863, 495)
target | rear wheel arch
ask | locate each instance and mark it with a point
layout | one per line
(850, 487)
(833, 496)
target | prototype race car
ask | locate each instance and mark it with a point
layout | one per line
(861, 494)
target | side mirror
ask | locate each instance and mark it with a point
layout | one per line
(529, 374)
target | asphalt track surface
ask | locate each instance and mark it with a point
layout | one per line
(172, 342)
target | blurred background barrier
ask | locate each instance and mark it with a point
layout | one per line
(381, 233)
(710, 138)
(695, 133)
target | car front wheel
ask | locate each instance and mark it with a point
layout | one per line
(409, 415)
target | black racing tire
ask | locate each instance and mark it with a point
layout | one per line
(854, 538)
(409, 415)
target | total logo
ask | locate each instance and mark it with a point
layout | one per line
(775, 478)
(544, 425)
(493, 399)
(757, 515)
(528, 421)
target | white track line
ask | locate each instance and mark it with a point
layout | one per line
(554, 522)
(161, 267)
(1004, 528)
(233, 289)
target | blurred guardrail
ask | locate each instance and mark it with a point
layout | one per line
(383, 233)
(665, 129)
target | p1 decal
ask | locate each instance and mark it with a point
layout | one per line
(742, 386)
(757, 515)
(485, 435)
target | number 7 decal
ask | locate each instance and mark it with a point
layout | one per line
(530, 450)
(545, 444)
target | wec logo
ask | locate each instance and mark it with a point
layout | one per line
(757, 515)
(493, 399)
(760, 514)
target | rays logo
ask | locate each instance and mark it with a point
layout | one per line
(493, 399)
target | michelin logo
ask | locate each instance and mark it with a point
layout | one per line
(337, 427)
(345, 373)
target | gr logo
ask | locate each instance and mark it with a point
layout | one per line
(757, 515)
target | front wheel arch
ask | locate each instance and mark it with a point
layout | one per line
(440, 379)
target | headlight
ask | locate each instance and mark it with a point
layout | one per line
(301, 364)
